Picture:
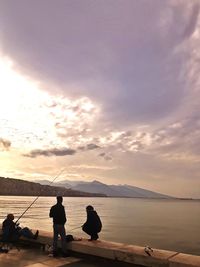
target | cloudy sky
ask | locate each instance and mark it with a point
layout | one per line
(107, 89)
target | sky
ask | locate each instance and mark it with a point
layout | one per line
(107, 90)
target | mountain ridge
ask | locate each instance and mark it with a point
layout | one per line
(12, 186)
(120, 190)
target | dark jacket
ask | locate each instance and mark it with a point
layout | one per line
(57, 212)
(93, 222)
(9, 229)
(8, 224)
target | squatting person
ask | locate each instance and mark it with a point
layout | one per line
(93, 224)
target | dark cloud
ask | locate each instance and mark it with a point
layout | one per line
(92, 146)
(4, 144)
(105, 156)
(50, 152)
(108, 158)
(59, 152)
(88, 147)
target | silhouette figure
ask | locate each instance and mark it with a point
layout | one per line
(57, 212)
(93, 224)
(12, 232)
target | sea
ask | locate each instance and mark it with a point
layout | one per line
(169, 224)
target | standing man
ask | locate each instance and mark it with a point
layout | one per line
(57, 212)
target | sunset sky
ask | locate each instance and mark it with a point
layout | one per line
(108, 89)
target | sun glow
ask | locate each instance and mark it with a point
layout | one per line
(15, 89)
(31, 118)
(20, 105)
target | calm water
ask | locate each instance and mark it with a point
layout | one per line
(165, 224)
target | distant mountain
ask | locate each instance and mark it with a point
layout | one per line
(111, 190)
(11, 186)
(67, 184)
(47, 182)
(133, 191)
(97, 187)
(43, 182)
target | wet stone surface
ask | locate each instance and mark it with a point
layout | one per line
(37, 258)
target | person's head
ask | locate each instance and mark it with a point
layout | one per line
(59, 199)
(89, 208)
(10, 217)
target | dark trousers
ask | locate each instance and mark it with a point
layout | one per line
(15, 235)
(26, 232)
(59, 229)
(90, 231)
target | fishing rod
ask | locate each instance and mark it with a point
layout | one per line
(39, 196)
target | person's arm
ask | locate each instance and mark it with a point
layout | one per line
(99, 223)
(9, 226)
(51, 212)
(3, 224)
(13, 227)
(64, 215)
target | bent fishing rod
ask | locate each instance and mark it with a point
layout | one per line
(39, 196)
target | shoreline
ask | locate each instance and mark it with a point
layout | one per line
(107, 197)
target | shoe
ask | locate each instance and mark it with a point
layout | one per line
(96, 237)
(55, 254)
(36, 235)
(3, 250)
(93, 237)
(65, 255)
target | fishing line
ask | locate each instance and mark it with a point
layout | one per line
(75, 228)
(39, 195)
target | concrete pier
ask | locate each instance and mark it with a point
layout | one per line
(122, 253)
(135, 255)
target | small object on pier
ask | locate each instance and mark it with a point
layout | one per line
(3, 250)
(147, 250)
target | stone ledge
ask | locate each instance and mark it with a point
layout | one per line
(124, 253)
(184, 260)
